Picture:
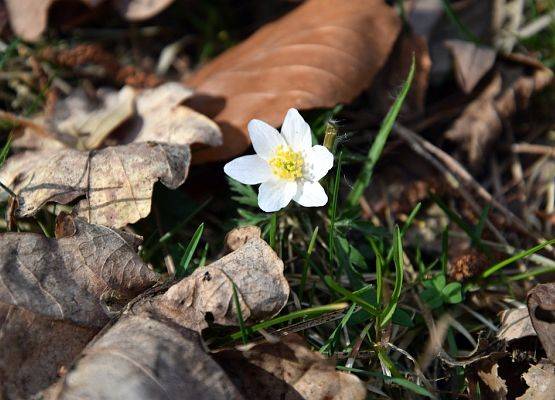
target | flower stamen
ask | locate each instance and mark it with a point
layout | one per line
(287, 164)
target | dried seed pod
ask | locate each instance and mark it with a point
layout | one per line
(467, 265)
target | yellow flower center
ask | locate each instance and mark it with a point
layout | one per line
(287, 164)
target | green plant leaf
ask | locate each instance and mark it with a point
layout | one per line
(452, 293)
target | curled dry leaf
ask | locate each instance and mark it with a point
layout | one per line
(541, 305)
(91, 121)
(471, 62)
(239, 236)
(480, 124)
(323, 53)
(496, 386)
(152, 352)
(29, 18)
(114, 184)
(540, 379)
(515, 324)
(288, 370)
(257, 273)
(57, 293)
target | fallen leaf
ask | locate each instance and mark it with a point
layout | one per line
(138, 10)
(496, 385)
(162, 118)
(288, 370)
(322, 53)
(239, 236)
(540, 379)
(58, 293)
(145, 356)
(478, 127)
(255, 270)
(541, 306)
(91, 121)
(471, 62)
(153, 351)
(114, 184)
(515, 324)
(29, 18)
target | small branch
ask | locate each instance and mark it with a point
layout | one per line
(527, 148)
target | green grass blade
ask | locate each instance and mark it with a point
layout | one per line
(304, 275)
(291, 316)
(494, 268)
(333, 210)
(351, 296)
(189, 251)
(365, 175)
(244, 332)
(398, 261)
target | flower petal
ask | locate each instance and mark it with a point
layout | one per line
(296, 131)
(264, 138)
(318, 161)
(310, 194)
(273, 195)
(249, 170)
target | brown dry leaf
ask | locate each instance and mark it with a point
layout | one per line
(288, 370)
(145, 356)
(257, 273)
(56, 294)
(322, 53)
(540, 379)
(152, 352)
(515, 324)
(471, 62)
(138, 10)
(114, 184)
(239, 236)
(162, 118)
(92, 120)
(516, 79)
(541, 305)
(29, 18)
(496, 385)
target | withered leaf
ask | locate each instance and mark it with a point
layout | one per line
(541, 305)
(516, 79)
(323, 53)
(55, 294)
(91, 121)
(29, 18)
(65, 278)
(540, 379)
(471, 62)
(145, 356)
(137, 10)
(288, 370)
(152, 352)
(494, 383)
(162, 118)
(114, 184)
(257, 273)
(515, 324)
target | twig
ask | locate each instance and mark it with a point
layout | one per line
(528, 148)
(536, 26)
(464, 176)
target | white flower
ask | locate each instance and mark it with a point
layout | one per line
(286, 164)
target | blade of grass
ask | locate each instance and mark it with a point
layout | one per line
(398, 262)
(365, 175)
(379, 269)
(351, 296)
(333, 211)
(293, 315)
(496, 267)
(273, 230)
(189, 251)
(244, 332)
(304, 276)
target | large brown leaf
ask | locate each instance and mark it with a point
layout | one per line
(114, 184)
(153, 351)
(55, 294)
(323, 53)
(541, 305)
(289, 370)
(257, 273)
